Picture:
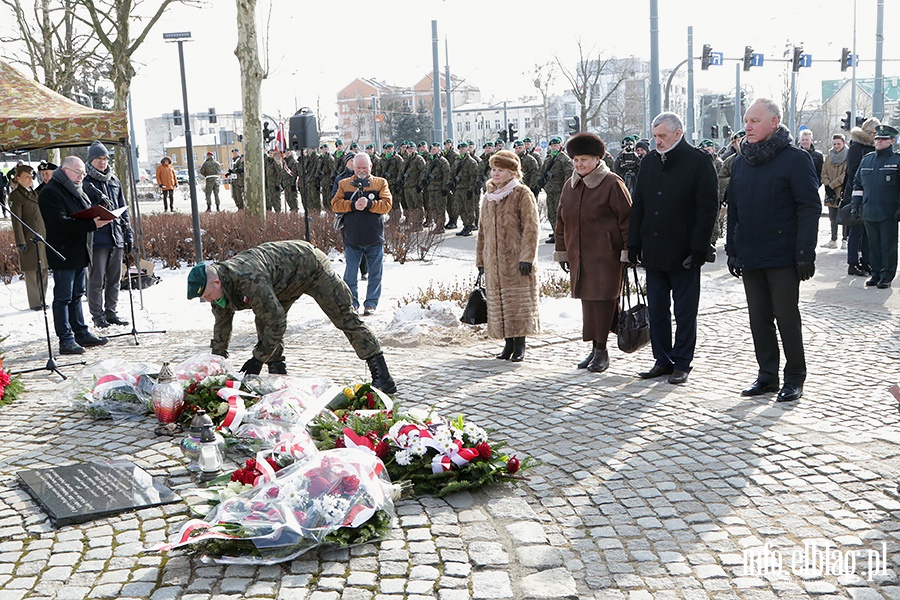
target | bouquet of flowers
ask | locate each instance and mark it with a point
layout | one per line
(114, 389)
(10, 385)
(360, 399)
(203, 376)
(341, 497)
(281, 413)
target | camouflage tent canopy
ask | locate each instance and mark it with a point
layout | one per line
(33, 116)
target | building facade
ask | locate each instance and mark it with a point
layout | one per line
(161, 132)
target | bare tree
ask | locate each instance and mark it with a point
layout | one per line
(585, 80)
(544, 75)
(252, 74)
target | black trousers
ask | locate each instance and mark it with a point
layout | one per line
(773, 297)
(883, 248)
(681, 290)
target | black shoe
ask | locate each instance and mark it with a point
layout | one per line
(856, 270)
(451, 224)
(518, 354)
(101, 322)
(678, 377)
(600, 362)
(584, 364)
(760, 387)
(873, 281)
(551, 239)
(381, 377)
(884, 284)
(40, 307)
(466, 232)
(70, 347)
(507, 349)
(789, 393)
(89, 339)
(657, 371)
(866, 267)
(116, 320)
(277, 368)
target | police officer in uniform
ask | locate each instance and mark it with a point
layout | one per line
(268, 279)
(554, 173)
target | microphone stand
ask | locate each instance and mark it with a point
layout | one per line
(38, 239)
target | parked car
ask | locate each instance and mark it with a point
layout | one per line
(182, 175)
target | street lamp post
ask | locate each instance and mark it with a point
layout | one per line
(181, 37)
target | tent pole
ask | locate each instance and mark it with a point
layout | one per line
(136, 211)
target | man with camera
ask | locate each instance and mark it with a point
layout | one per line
(363, 199)
(628, 163)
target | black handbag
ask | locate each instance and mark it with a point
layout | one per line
(633, 327)
(845, 218)
(475, 312)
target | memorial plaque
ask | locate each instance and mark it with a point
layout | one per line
(86, 491)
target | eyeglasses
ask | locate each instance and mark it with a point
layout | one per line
(74, 171)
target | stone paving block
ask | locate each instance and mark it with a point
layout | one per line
(491, 584)
(487, 553)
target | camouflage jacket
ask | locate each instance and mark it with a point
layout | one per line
(556, 170)
(391, 167)
(337, 167)
(290, 172)
(273, 170)
(209, 168)
(376, 165)
(265, 279)
(530, 170)
(452, 156)
(413, 170)
(467, 173)
(325, 172)
(437, 175)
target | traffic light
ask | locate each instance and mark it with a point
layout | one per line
(845, 59)
(748, 57)
(714, 131)
(268, 133)
(860, 121)
(704, 60)
(575, 125)
(727, 131)
(176, 116)
(502, 134)
(798, 54)
(513, 133)
(845, 122)
(212, 116)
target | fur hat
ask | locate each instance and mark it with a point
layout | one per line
(585, 143)
(506, 159)
(870, 124)
(97, 150)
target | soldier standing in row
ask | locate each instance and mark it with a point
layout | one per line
(273, 180)
(413, 171)
(237, 178)
(466, 177)
(376, 160)
(337, 167)
(556, 170)
(391, 168)
(289, 173)
(530, 149)
(530, 167)
(452, 201)
(438, 178)
(324, 174)
(210, 171)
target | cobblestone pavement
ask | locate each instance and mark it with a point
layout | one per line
(647, 490)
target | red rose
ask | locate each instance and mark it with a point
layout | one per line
(238, 475)
(339, 442)
(382, 450)
(373, 436)
(318, 486)
(272, 492)
(272, 463)
(484, 450)
(250, 464)
(512, 465)
(250, 476)
(350, 484)
(370, 400)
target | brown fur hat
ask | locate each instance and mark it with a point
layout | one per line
(585, 143)
(506, 159)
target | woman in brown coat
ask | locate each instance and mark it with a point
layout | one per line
(506, 249)
(167, 181)
(592, 240)
(23, 201)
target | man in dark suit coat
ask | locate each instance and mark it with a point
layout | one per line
(672, 215)
(73, 238)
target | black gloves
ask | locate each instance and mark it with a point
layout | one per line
(525, 268)
(734, 266)
(22, 247)
(564, 265)
(252, 367)
(278, 367)
(695, 260)
(854, 211)
(128, 248)
(806, 270)
(634, 255)
(480, 271)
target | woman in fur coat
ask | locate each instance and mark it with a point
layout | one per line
(506, 250)
(592, 241)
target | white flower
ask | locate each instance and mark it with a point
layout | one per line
(403, 457)
(475, 433)
(418, 447)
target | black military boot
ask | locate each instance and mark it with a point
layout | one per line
(584, 364)
(466, 231)
(518, 349)
(507, 349)
(381, 377)
(451, 224)
(600, 362)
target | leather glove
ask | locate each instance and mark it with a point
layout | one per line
(278, 367)
(854, 211)
(22, 247)
(806, 270)
(695, 260)
(525, 268)
(634, 255)
(128, 248)
(564, 264)
(480, 271)
(252, 367)
(734, 267)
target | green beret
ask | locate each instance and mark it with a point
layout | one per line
(354, 145)
(488, 145)
(423, 143)
(470, 142)
(448, 141)
(338, 143)
(738, 135)
(706, 144)
(435, 144)
(369, 146)
(197, 281)
(556, 140)
(462, 145)
(518, 143)
(388, 145)
(499, 142)
(323, 147)
(528, 140)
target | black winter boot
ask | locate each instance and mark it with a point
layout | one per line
(507, 350)
(600, 362)
(518, 349)
(583, 364)
(381, 377)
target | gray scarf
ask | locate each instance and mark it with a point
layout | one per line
(764, 151)
(60, 177)
(98, 175)
(837, 158)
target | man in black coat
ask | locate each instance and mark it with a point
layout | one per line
(673, 210)
(73, 238)
(773, 217)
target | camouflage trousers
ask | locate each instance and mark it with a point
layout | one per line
(212, 187)
(453, 206)
(237, 194)
(413, 197)
(552, 205)
(718, 226)
(469, 207)
(290, 197)
(313, 199)
(273, 198)
(437, 207)
(326, 195)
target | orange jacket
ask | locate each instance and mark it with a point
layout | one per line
(165, 177)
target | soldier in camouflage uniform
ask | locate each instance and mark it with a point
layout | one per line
(530, 149)
(325, 173)
(268, 279)
(391, 168)
(466, 177)
(337, 167)
(413, 171)
(724, 180)
(376, 160)
(273, 168)
(453, 204)
(210, 172)
(530, 167)
(313, 195)
(557, 168)
(289, 173)
(237, 178)
(437, 178)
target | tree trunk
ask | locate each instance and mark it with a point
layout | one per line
(247, 53)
